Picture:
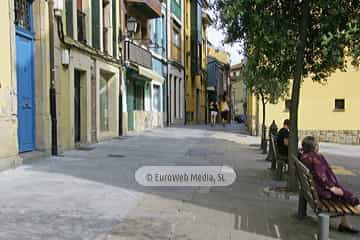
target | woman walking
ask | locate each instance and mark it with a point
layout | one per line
(224, 108)
(213, 112)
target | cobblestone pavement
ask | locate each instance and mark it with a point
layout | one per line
(93, 195)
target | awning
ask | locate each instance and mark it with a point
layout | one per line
(210, 88)
(151, 75)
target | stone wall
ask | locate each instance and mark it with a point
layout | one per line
(146, 120)
(335, 136)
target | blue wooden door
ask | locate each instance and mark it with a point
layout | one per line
(25, 90)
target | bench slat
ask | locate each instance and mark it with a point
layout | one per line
(336, 206)
(322, 207)
(328, 206)
(344, 207)
(353, 209)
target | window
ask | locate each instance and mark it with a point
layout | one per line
(22, 14)
(139, 97)
(175, 94)
(287, 104)
(176, 8)
(95, 21)
(104, 104)
(81, 22)
(340, 104)
(106, 9)
(176, 38)
(156, 98)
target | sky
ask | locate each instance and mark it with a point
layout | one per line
(216, 36)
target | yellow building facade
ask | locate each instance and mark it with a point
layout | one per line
(238, 90)
(196, 21)
(329, 111)
(221, 55)
(8, 101)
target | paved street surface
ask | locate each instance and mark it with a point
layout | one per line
(92, 194)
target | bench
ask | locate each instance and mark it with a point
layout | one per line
(324, 209)
(278, 161)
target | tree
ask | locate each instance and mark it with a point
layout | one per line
(260, 78)
(308, 38)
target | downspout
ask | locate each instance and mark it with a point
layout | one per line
(168, 14)
(121, 72)
(54, 144)
(184, 5)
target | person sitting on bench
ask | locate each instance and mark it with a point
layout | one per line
(282, 140)
(326, 183)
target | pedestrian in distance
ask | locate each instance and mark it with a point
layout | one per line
(327, 185)
(224, 108)
(213, 112)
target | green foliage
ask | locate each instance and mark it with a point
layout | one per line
(261, 79)
(333, 32)
(293, 40)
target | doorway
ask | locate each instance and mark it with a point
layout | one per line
(77, 106)
(25, 75)
(197, 110)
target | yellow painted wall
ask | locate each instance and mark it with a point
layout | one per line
(203, 105)
(8, 100)
(194, 82)
(189, 83)
(252, 114)
(220, 55)
(316, 110)
(237, 96)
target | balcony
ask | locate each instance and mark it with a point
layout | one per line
(137, 55)
(144, 9)
(81, 26)
(176, 8)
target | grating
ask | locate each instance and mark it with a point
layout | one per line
(116, 155)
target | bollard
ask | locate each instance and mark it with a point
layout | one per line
(279, 170)
(272, 132)
(264, 141)
(302, 205)
(324, 221)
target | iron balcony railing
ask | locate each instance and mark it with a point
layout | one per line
(81, 26)
(137, 55)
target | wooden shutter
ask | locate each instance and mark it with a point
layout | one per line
(69, 18)
(79, 5)
(96, 23)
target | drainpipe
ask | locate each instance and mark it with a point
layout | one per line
(54, 144)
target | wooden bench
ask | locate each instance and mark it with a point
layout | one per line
(325, 209)
(278, 161)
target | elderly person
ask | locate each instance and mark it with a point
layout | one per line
(327, 185)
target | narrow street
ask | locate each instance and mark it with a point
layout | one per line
(92, 193)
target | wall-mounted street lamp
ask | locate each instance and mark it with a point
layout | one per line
(58, 8)
(131, 25)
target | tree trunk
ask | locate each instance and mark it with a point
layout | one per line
(263, 111)
(295, 95)
(263, 134)
(264, 128)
